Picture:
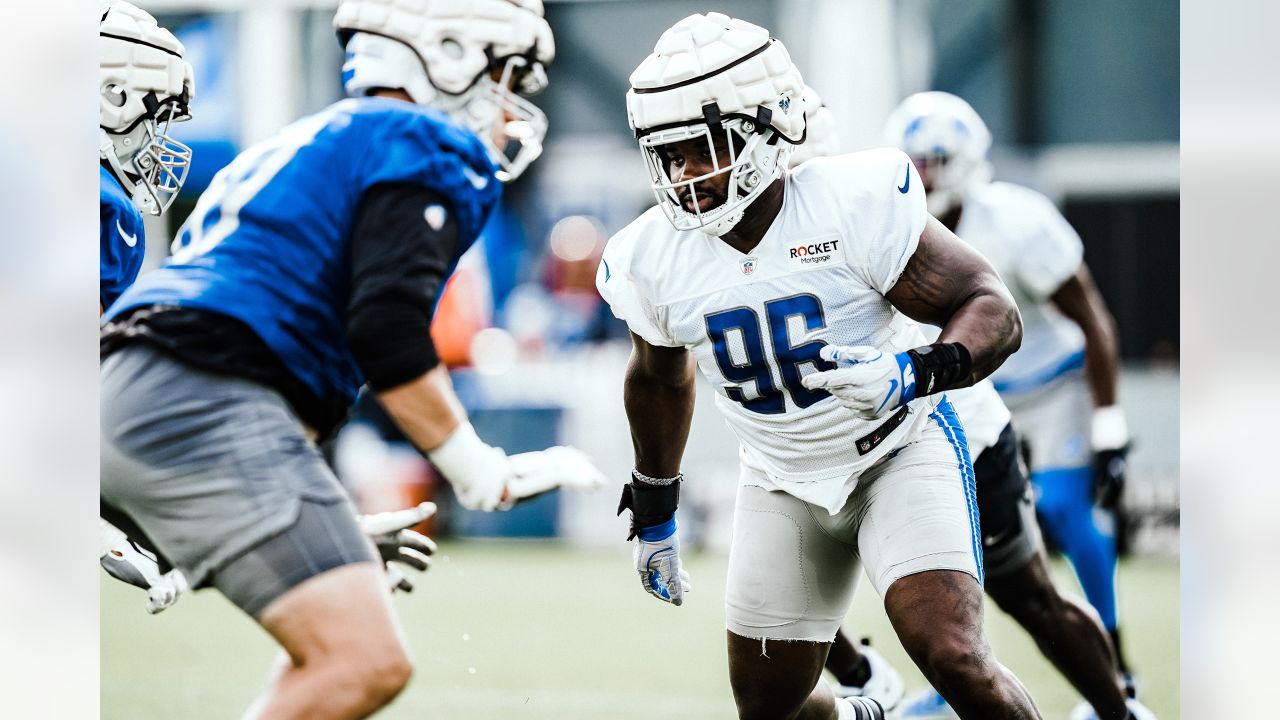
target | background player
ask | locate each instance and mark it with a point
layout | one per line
(1061, 386)
(840, 463)
(144, 84)
(1017, 572)
(310, 266)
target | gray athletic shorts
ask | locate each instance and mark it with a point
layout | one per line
(793, 566)
(220, 475)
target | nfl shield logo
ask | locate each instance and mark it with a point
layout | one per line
(748, 265)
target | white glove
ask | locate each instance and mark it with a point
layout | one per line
(390, 533)
(125, 561)
(484, 478)
(869, 382)
(477, 471)
(165, 592)
(657, 560)
(537, 472)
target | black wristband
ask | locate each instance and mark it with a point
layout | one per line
(649, 504)
(941, 366)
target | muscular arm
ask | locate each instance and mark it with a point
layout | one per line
(658, 395)
(426, 409)
(949, 284)
(1078, 298)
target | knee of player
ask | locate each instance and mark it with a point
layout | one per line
(1031, 607)
(956, 660)
(384, 676)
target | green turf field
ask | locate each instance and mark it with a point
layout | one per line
(541, 630)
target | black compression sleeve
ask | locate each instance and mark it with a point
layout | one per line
(400, 254)
(941, 366)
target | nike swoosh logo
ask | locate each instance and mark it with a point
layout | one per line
(129, 240)
(893, 386)
(906, 183)
(606, 269)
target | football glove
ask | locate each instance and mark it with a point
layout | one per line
(1110, 442)
(485, 478)
(657, 560)
(396, 542)
(869, 382)
(126, 561)
(534, 473)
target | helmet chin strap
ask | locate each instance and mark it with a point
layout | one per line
(109, 149)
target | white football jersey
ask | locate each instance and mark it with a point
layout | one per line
(1035, 250)
(756, 321)
(979, 408)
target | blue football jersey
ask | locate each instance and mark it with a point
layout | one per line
(267, 243)
(120, 235)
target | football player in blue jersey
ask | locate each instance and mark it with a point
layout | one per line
(144, 85)
(310, 267)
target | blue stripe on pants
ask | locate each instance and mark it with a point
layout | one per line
(945, 416)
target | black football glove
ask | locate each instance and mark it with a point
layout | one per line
(1108, 476)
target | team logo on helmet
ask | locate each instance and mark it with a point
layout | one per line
(947, 141)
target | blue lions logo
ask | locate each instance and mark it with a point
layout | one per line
(784, 104)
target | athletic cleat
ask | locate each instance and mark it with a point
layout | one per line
(859, 708)
(1137, 711)
(885, 685)
(927, 705)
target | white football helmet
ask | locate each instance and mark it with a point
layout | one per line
(144, 85)
(472, 59)
(715, 77)
(948, 142)
(821, 137)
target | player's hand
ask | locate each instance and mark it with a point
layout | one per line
(477, 471)
(166, 591)
(657, 560)
(1108, 476)
(1109, 438)
(534, 473)
(128, 562)
(869, 382)
(391, 534)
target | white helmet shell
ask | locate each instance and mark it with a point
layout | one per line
(710, 75)
(442, 54)
(144, 83)
(947, 140)
(822, 139)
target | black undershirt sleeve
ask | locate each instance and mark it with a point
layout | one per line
(403, 243)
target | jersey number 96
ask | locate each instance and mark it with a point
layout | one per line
(745, 322)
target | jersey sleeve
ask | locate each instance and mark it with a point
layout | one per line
(1051, 251)
(121, 249)
(623, 294)
(413, 147)
(887, 215)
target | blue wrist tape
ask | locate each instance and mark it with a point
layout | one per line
(656, 533)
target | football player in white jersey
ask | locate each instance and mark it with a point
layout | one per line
(1061, 386)
(793, 293)
(1017, 574)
